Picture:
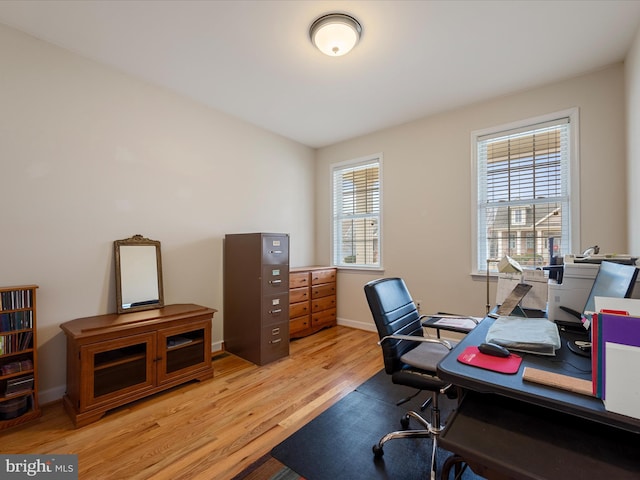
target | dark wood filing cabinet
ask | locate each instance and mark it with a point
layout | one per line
(256, 296)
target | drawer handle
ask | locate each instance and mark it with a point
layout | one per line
(275, 251)
(273, 282)
(275, 311)
(277, 340)
(275, 331)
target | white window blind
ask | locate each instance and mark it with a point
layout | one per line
(524, 194)
(356, 213)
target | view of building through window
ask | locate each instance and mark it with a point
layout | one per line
(356, 214)
(523, 195)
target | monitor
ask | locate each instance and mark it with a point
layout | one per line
(613, 280)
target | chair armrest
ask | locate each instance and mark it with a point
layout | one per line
(412, 338)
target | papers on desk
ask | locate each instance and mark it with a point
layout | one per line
(463, 323)
(529, 335)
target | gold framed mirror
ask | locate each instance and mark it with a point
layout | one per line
(138, 274)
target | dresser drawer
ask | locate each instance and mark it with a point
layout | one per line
(299, 324)
(323, 276)
(323, 290)
(299, 279)
(323, 303)
(326, 317)
(298, 295)
(299, 309)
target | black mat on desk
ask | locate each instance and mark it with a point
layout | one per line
(337, 444)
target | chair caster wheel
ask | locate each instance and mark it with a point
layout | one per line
(404, 421)
(377, 451)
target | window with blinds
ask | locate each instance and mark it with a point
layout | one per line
(523, 194)
(356, 213)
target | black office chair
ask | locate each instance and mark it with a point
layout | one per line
(409, 357)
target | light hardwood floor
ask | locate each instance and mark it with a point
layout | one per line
(214, 429)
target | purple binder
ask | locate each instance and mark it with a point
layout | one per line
(621, 329)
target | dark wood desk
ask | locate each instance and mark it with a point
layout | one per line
(564, 362)
(502, 438)
(507, 428)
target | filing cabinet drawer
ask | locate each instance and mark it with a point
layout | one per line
(299, 279)
(323, 303)
(299, 309)
(275, 308)
(318, 291)
(275, 342)
(275, 278)
(275, 249)
(323, 276)
(298, 295)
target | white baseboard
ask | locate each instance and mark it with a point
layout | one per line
(217, 346)
(368, 326)
(51, 395)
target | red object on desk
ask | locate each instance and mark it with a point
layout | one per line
(473, 356)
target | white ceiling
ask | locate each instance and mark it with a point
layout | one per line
(254, 60)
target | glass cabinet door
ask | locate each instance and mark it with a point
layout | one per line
(183, 350)
(117, 367)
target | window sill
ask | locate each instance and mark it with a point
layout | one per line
(359, 269)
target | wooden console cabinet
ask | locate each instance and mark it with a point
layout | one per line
(115, 359)
(312, 300)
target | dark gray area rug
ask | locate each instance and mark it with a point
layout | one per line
(337, 444)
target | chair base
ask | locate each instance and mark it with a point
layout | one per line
(430, 431)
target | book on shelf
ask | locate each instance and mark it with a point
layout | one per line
(20, 320)
(16, 367)
(177, 341)
(15, 342)
(19, 385)
(15, 299)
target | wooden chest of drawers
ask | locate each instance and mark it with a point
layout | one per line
(312, 300)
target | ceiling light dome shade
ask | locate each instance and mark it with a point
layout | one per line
(335, 34)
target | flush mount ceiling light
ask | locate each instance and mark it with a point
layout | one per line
(335, 34)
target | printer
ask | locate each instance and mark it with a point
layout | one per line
(571, 288)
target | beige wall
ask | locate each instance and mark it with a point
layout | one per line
(89, 155)
(426, 190)
(632, 71)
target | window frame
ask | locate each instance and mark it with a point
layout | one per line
(573, 183)
(352, 164)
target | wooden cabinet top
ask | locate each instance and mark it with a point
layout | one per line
(311, 269)
(99, 324)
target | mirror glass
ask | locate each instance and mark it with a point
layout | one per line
(138, 274)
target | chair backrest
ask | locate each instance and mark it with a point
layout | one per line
(393, 312)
